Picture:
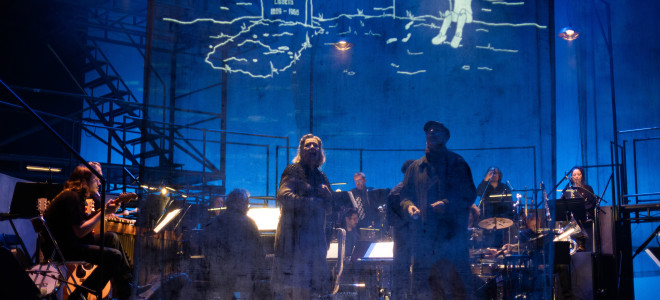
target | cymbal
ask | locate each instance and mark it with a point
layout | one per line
(495, 223)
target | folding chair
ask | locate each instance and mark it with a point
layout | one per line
(50, 275)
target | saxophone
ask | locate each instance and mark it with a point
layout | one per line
(545, 204)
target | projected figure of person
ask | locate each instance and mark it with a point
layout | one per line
(300, 269)
(437, 194)
(460, 14)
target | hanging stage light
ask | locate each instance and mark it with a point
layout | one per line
(343, 45)
(569, 33)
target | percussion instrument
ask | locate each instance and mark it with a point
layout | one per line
(495, 223)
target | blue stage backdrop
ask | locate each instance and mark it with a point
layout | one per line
(480, 67)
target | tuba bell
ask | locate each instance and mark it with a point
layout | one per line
(567, 233)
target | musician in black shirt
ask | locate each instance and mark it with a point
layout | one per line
(72, 230)
(577, 188)
(495, 196)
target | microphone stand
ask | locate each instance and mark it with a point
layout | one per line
(483, 208)
(559, 183)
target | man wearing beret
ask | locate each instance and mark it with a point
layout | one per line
(437, 194)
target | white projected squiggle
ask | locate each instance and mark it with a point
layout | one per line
(266, 40)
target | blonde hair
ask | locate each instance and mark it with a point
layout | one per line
(306, 137)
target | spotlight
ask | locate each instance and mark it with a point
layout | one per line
(569, 33)
(343, 45)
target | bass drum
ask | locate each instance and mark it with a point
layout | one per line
(46, 278)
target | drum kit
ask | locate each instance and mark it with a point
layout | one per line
(497, 256)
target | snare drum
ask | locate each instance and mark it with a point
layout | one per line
(485, 267)
(45, 277)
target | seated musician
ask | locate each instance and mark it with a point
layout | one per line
(96, 199)
(349, 223)
(369, 214)
(495, 203)
(233, 248)
(65, 217)
(495, 196)
(577, 188)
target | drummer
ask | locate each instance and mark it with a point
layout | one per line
(496, 202)
(495, 196)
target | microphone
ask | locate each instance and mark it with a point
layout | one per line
(509, 185)
(135, 179)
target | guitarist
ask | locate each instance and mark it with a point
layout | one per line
(72, 229)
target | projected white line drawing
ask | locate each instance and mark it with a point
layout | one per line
(268, 38)
(508, 3)
(460, 14)
(489, 47)
(411, 73)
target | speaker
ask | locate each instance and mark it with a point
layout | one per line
(14, 281)
(582, 276)
(593, 276)
(606, 227)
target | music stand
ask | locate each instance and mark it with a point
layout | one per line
(378, 196)
(359, 250)
(24, 201)
(564, 208)
(341, 200)
(379, 251)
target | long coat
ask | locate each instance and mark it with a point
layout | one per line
(300, 240)
(439, 238)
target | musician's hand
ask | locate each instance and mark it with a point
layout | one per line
(438, 206)
(111, 207)
(414, 212)
(325, 192)
(475, 210)
(488, 175)
(490, 253)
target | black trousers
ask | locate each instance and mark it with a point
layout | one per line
(115, 264)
